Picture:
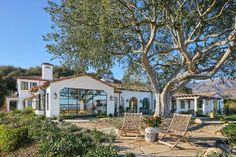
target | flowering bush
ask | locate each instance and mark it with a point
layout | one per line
(152, 121)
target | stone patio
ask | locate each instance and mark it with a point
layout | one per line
(201, 136)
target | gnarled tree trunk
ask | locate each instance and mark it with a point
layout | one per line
(163, 102)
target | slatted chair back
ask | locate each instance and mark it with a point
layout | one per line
(132, 121)
(179, 124)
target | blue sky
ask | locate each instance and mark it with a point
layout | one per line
(22, 24)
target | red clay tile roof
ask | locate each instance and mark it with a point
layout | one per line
(43, 85)
(116, 86)
(30, 97)
(38, 78)
(204, 95)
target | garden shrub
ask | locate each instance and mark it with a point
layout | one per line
(12, 137)
(2, 114)
(20, 127)
(230, 118)
(102, 151)
(39, 129)
(65, 144)
(70, 128)
(101, 116)
(229, 107)
(230, 132)
(28, 110)
(129, 154)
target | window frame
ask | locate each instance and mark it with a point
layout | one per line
(24, 85)
(33, 84)
(182, 107)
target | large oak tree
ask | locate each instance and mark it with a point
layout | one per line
(173, 42)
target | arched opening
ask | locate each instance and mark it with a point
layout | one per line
(133, 105)
(13, 105)
(145, 109)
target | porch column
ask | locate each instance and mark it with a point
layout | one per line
(8, 105)
(195, 105)
(204, 106)
(177, 105)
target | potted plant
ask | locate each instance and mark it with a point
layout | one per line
(212, 115)
(152, 128)
(60, 119)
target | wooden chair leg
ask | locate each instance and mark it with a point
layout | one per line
(186, 140)
(175, 144)
(161, 138)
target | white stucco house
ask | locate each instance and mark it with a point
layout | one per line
(85, 94)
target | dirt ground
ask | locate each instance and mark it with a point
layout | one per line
(201, 136)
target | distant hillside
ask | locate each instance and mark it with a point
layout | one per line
(225, 87)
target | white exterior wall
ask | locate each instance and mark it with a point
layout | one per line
(84, 82)
(24, 93)
(139, 95)
(50, 97)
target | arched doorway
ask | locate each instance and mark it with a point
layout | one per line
(133, 105)
(145, 109)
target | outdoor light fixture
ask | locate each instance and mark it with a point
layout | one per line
(127, 100)
(111, 98)
(141, 101)
(55, 95)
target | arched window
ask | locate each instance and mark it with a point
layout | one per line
(133, 105)
(146, 103)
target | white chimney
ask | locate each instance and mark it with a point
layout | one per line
(47, 71)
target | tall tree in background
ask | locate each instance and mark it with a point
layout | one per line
(172, 41)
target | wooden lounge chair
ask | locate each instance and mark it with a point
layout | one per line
(177, 130)
(131, 124)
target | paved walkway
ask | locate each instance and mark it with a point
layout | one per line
(201, 136)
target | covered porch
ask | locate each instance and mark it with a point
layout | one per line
(11, 103)
(197, 104)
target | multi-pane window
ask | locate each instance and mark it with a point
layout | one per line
(82, 101)
(188, 103)
(40, 102)
(32, 84)
(24, 85)
(182, 104)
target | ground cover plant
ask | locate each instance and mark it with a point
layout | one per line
(20, 129)
(230, 132)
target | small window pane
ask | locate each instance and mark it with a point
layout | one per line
(24, 85)
(182, 104)
(33, 84)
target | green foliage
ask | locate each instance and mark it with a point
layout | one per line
(230, 118)
(64, 144)
(229, 107)
(60, 118)
(28, 110)
(12, 137)
(230, 132)
(101, 116)
(8, 76)
(100, 137)
(102, 151)
(152, 121)
(129, 154)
